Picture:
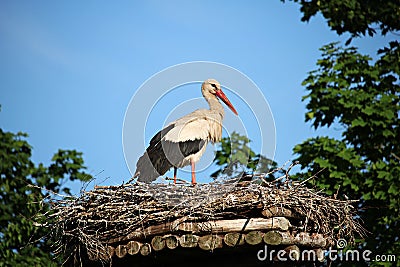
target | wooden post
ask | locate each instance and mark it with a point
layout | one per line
(145, 249)
(171, 241)
(188, 241)
(133, 247)
(234, 239)
(210, 242)
(254, 237)
(273, 238)
(121, 251)
(158, 243)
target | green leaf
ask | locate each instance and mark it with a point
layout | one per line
(336, 174)
(393, 189)
(383, 174)
(310, 115)
(369, 110)
(358, 122)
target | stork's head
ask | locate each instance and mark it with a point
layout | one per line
(212, 87)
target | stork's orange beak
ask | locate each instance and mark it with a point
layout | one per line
(223, 97)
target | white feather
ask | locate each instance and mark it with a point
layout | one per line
(200, 124)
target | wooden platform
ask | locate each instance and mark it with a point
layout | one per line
(208, 225)
(215, 242)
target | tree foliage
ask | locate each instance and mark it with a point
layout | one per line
(22, 197)
(355, 16)
(364, 99)
(236, 158)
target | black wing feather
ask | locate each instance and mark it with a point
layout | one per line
(161, 155)
(191, 146)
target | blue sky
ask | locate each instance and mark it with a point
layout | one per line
(68, 69)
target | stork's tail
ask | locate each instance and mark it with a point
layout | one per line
(152, 164)
(145, 170)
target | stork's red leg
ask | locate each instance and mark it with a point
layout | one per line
(175, 171)
(193, 173)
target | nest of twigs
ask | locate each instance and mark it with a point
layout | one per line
(92, 220)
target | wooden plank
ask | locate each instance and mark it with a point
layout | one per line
(240, 225)
(218, 226)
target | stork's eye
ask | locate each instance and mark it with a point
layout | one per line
(213, 85)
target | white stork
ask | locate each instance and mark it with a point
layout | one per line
(183, 142)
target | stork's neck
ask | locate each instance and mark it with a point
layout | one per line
(215, 105)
